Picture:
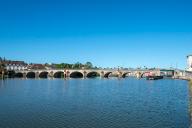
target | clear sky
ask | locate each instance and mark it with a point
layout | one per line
(109, 33)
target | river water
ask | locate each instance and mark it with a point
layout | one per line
(94, 103)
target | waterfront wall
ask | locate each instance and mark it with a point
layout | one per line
(188, 75)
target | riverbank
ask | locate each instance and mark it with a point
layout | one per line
(183, 78)
(190, 81)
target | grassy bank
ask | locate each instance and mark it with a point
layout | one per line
(190, 82)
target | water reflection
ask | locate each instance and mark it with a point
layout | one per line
(190, 102)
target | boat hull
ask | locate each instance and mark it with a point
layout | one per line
(154, 77)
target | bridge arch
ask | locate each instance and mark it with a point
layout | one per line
(43, 75)
(58, 74)
(18, 75)
(106, 75)
(93, 74)
(30, 75)
(124, 74)
(76, 74)
(11, 74)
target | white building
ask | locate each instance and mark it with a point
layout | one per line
(189, 63)
(15, 65)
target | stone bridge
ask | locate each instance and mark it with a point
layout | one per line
(87, 73)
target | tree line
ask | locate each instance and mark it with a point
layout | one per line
(78, 65)
(2, 67)
(87, 65)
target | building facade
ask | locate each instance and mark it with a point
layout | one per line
(189, 63)
(15, 65)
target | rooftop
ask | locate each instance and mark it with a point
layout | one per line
(15, 62)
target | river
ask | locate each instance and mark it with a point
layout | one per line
(95, 103)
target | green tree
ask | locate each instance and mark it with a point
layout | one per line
(88, 65)
(2, 68)
(2, 64)
(76, 65)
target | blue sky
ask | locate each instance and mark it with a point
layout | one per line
(128, 33)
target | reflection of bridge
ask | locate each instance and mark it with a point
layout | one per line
(82, 73)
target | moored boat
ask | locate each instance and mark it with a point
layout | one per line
(154, 77)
